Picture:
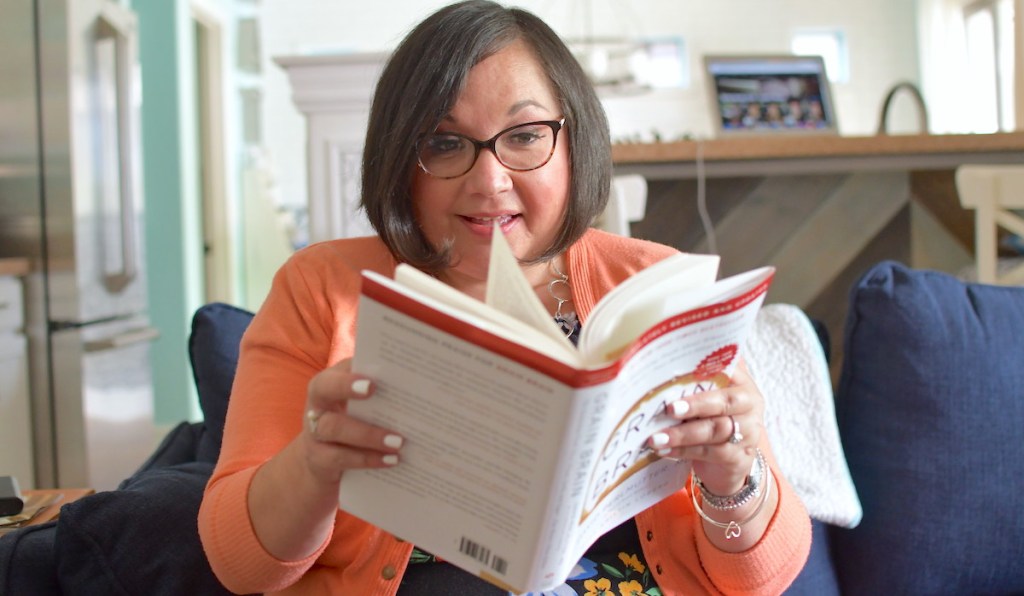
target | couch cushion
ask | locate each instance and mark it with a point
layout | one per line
(217, 330)
(141, 539)
(930, 406)
(177, 447)
(28, 560)
(818, 577)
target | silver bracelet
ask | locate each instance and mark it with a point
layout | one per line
(751, 488)
(733, 529)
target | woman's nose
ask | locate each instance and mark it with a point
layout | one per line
(488, 176)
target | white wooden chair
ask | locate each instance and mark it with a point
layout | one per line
(627, 204)
(993, 191)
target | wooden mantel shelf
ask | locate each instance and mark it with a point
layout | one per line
(15, 266)
(761, 155)
(815, 146)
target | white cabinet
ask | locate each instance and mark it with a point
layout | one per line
(334, 92)
(12, 313)
(15, 415)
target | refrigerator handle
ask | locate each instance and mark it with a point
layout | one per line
(121, 340)
(118, 24)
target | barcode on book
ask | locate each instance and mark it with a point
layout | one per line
(483, 555)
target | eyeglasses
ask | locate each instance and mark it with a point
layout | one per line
(521, 148)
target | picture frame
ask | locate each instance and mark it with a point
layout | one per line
(770, 95)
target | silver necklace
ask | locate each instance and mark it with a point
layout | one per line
(559, 284)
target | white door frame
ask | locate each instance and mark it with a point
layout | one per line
(218, 234)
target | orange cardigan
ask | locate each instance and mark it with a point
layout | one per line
(307, 323)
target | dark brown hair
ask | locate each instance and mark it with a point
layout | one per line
(420, 84)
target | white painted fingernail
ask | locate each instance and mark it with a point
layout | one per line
(659, 440)
(390, 460)
(393, 441)
(679, 408)
(663, 452)
(361, 386)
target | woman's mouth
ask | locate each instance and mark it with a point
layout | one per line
(501, 220)
(484, 224)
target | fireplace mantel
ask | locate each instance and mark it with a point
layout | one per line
(333, 92)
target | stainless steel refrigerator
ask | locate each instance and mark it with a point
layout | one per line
(71, 201)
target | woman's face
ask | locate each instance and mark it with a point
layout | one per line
(507, 89)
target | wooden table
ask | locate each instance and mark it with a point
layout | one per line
(51, 511)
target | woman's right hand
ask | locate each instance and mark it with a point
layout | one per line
(333, 441)
(304, 478)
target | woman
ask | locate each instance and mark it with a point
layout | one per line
(433, 192)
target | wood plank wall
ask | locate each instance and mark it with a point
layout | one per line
(821, 231)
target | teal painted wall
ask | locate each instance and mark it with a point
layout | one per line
(173, 232)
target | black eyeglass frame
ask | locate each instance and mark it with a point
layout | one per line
(491, 144)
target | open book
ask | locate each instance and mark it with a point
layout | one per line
(522, 449)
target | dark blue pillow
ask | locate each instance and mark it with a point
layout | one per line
(177, 447)
(28, 561)
(930, 407)
(217, 330)
(140, 539)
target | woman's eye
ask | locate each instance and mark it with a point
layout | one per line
(445, 144)
(524, 137)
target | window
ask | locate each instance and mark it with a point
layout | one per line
(830, 45)
(988, 32)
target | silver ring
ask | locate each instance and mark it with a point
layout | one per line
(312, 418)
(736, 436)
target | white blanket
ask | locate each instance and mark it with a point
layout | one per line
(788, 363)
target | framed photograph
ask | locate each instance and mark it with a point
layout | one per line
(770, 94)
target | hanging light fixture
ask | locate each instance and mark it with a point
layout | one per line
(611, 62)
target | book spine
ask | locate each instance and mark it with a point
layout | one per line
(560, 545)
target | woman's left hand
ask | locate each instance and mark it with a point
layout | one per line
(718, 431)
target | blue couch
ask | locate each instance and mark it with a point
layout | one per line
(929, 406)
(141, 539)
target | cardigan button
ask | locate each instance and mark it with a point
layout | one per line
(658, 568)
(389, 572)
(650, 535)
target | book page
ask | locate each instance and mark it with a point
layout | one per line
(722, 291)
(639, 302)
(480, 451)
(440, 296)
(510, 292)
